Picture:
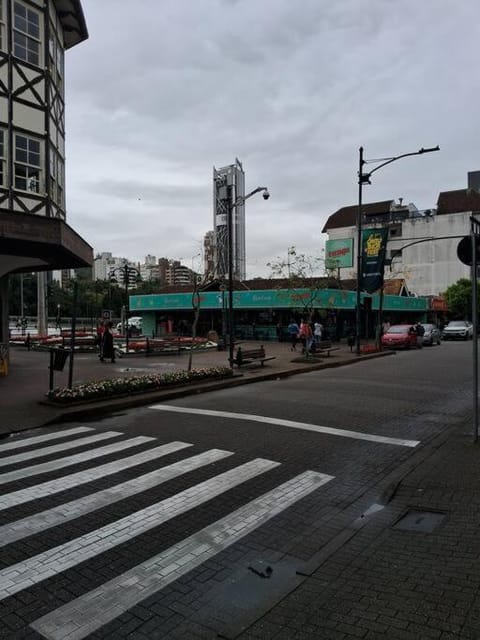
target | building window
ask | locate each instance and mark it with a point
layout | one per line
(2, 27)
(56, 61)
(2, 157)
(27, 164)
(26, 34)
(396, 231)
(57, 177)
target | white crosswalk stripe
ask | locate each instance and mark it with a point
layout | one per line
(61, 463)
(77, 618)
(56, 448)
(15, 442)
(51, 487)
(89, 612)
(76, 508)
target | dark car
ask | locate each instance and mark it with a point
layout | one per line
(432, 334)
(400, 336)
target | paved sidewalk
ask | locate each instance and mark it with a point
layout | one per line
(406, 569)
(23, 391)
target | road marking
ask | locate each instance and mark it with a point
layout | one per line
(49, 563)
(86, 614)
(64, 446)
(17, 443)
(344, 433)
(51, 487)
(37, 522)
(68, 461)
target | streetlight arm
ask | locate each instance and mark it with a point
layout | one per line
(364, 177)
(242, 199)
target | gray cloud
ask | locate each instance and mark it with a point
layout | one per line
(161, 92)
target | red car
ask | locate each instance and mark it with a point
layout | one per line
(400, 336)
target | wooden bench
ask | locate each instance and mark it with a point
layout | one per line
(325, 346)
(251, 356)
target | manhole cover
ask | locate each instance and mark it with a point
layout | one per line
(421, 521)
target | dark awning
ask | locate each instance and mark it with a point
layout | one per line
(30, 242)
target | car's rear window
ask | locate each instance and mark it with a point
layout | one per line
(398, 330)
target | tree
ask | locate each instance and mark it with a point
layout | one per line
(299, 271)
(459, 299)
(199, 283)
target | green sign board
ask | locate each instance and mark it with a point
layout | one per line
(272, 299)
(339, 253)
(260, 299)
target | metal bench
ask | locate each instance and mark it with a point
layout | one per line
(251, 356)
(325, 346)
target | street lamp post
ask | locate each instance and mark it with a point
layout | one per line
(364, 178)
(129, 275)
(230, 206)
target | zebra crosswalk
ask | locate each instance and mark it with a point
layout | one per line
(80, 616)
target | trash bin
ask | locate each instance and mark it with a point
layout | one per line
(60, 356)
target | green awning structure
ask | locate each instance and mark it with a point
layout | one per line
(274, 299)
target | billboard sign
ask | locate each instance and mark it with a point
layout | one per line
(374, 242)
(339, 253)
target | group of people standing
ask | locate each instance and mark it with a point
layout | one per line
(105, 341)
(308, 334)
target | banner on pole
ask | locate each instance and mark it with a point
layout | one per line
(374, 244)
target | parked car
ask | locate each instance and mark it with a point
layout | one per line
(458, 330)
(432, 334)
(400, 336)
(135, 322)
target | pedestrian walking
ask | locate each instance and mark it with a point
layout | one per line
(107, 348)
(420, 331)
(317, 332)
(293, 330)
(306, 336)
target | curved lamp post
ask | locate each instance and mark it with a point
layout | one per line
(364, 178)
(230, 207)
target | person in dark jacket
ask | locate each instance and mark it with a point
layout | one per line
(107, 350)
(420, 331)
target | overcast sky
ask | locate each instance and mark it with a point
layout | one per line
(163, 91)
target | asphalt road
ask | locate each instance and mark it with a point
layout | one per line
(204, 536)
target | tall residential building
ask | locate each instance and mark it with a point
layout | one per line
(33, 234)
(178, 274)
(149, 270)
(229, 183)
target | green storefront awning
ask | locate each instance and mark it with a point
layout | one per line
(273, 299)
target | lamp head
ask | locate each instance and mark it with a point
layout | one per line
(266, 194)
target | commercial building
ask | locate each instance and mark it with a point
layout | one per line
(33, 233)
(260, 312)
(422, 244)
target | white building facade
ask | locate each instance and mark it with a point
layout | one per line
(422, 245)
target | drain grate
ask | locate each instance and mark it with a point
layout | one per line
(421, 521)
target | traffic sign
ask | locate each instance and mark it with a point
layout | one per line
(464, 250)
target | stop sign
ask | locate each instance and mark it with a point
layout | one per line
(464, 250)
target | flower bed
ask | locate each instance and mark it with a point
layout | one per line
(115, 387)
(369, 348)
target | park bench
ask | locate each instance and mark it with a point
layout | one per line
(325, 346)
(251, 356)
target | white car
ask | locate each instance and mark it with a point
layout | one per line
(134, 321)
(458, 330)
